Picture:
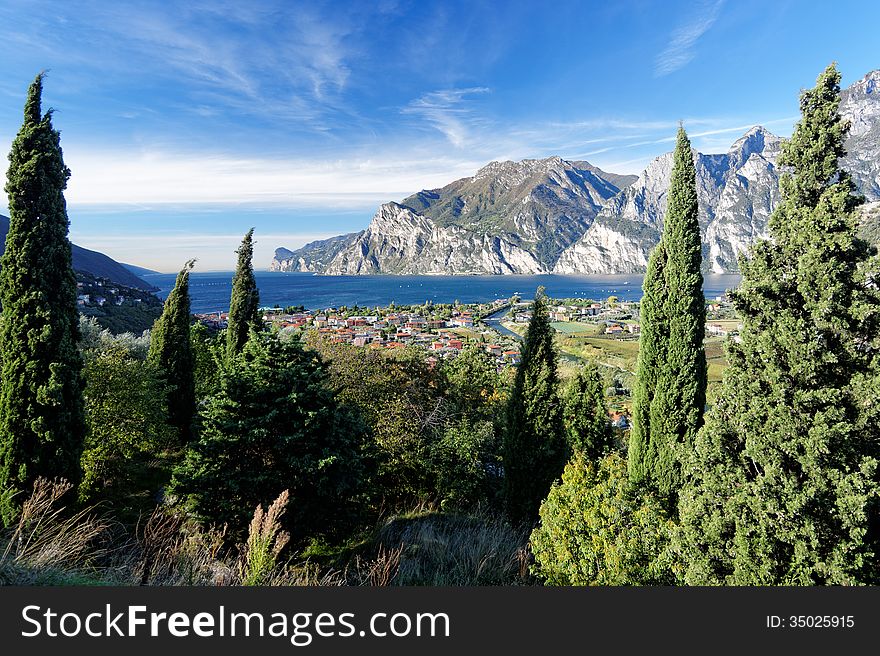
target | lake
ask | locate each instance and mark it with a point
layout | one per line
(210, 291)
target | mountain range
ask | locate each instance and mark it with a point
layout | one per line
(92, 262)
(570, 217)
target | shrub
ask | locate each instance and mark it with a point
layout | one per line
(596, 530)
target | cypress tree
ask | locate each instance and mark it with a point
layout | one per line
(244, 305)
(584, 414)
(171, 350)
(652, 354)
(671, 392)
(784, 486)
(42, 423)
(534, 448)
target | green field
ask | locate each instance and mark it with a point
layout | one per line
(623, 353)
(575, 328)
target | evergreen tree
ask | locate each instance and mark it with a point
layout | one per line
(171, 350)
(784, 485)
(584, 414)
(534, 449)
(42, 424)
(274, 425)
(671, 391)
(244, 305)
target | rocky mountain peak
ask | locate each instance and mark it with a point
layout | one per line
(758, 140)
(511, 174)
(867, 86)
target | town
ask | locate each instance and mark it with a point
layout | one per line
(443, 330)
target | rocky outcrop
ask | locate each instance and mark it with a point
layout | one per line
(736, 192)
(400, 241)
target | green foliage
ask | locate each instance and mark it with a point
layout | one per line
(134, 318)
(534, 449)
(433, 428)
(244, 304)
(127, 428)
(171, 351)
(598, 529)
(8, 508)
(42, 426)
(585, 415)
(274, 424)
(206, 348)
(473, 383)
(465, 463)
(670, 391)
(784, 479)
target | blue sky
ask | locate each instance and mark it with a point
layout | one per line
(185, 124)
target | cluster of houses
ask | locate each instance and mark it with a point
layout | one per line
(389, 330)
(97, 294)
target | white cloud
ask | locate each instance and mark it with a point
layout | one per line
(680, 49)
(150, 177)
(446, 111)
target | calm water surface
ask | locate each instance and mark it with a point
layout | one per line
(210, 291)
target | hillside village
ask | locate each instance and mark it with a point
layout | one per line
(116, 307)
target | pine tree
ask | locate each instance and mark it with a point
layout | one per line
(585, 415)
(534, 449)
(784, 486)
(42, 423)
(171, 350)
(671, 391)
(274, 425)
(244, 305)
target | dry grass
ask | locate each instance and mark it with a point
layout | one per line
(48, 545)
(455, 550)
(264, 544)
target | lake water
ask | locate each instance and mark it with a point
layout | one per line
(209, 292)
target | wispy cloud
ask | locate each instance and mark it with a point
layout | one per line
(681, 47)
(155, 177)
(447, 111)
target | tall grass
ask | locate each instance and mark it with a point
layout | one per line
(48, 545)
(456, 550)
(265, 542)
(52, 545)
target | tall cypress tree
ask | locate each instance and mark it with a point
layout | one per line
(671, 393)
(42, 425)
(171, 350)
(244, 305)
(784, 486)
(585, 415)
(534, 448)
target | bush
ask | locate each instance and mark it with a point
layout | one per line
(466, 464)
(596, 529)
(127, 427)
